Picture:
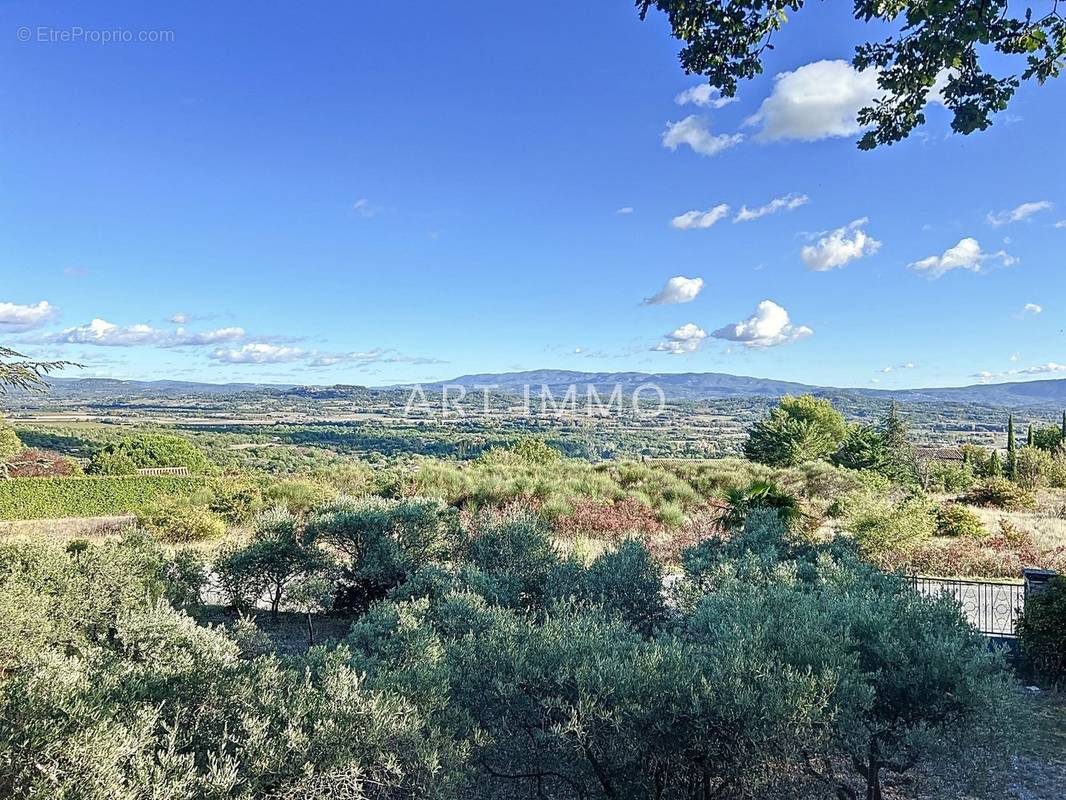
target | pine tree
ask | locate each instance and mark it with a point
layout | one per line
(994, 468)
(1010, 446)
(899, 455)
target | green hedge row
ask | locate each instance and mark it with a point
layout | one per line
(48, 498)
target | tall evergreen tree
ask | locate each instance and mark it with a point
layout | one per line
(1030, 441)
(899, 455)
(1063, 426)
(1010, 446)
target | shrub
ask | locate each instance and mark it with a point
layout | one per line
(1042, 631)
(516, 552)
(297, 496)
(235, 500)
(382, 542)
(953, 519)
(882, 525)
(610, 521)
(1032, 467)
(178, 520)
(48, 498)
(10, 443)
(943, 476)
(1001, 493)
(148, 450)
(629, 582)
(32, 463)
(278, 558)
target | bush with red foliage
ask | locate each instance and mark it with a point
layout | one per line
(33, 463)
(1003, 555)
(609, 521)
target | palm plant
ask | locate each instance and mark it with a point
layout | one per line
(742, 500)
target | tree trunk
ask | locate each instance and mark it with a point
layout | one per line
(310, 631)
(873, 776)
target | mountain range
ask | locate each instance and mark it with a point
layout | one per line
(676, 386)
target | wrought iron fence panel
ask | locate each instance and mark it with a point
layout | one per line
(993, 607)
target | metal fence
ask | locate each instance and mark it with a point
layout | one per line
(993, 607)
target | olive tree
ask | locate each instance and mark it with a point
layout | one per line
(277, 558)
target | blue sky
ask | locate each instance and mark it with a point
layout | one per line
(351, 193)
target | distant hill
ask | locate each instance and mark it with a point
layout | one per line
(676, 385)
(717, 385)
(113, 387)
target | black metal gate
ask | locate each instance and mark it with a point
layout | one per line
(993, 607)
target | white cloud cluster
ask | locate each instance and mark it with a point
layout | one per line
(768, 326)
(269, 353)
(686, 339)
(1019, 213)
(678, 289)
(703, 95)
(1032, 308)
(815, 101)
(1049, 368)
(695, 132)
(967, 254)
(259, 353)
(908, 365)
(15, 318)
(625, 210)
(102, 333)
(786, 203)
(838, 247)
(699, 219)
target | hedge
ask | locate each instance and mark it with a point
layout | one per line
(54, 498)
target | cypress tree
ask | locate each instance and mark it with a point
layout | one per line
(994, 468)
(1029, 440)
(1062, 435)
(1010, 446)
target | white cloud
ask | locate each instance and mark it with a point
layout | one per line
(703, 95)
(908, 365)
(936, 91)
(1019, 213)
(695, 132)
(678, 289)
(365, 209)
(1032, 308)
(180, 318)
(685, 339)
(107, 334)
(768, 326)
(1041, 369)
(967, 254)
(699, 219)
(786, 203)
(183, 338)
(838, 247)
(102, 333)
(1061, 223)
(625, 210)
(259, 353)
(815, 101)
(15, 318)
